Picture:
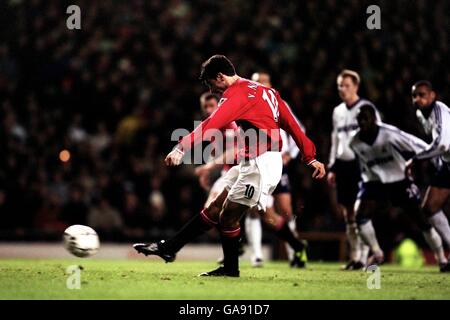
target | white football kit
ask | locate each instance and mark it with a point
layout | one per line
(385, 159)
(255, 179)
(345, 125)
(438, 125)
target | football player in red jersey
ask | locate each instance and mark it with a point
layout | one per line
(258, 110)
(281, 227)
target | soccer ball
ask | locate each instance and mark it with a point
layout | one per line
(81, 241)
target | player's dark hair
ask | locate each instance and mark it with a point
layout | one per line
(216, 64)
(368, 108)
(209, 96)
(424, 83)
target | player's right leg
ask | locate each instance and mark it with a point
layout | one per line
(365, 209)
(347, 180)
(434, 201)
(369, 197)
(353, 237)
(199, 224)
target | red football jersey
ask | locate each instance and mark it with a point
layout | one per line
(254, 106)
(230, 134)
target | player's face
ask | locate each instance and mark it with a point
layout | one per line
(366, 120)
(422, 97)
(347, 88)
(209, 106)
(217, 85)
(264, 79)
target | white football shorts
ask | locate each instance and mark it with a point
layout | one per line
(252, 182)
(217, 188)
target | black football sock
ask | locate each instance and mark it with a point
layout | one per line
(230, 246)
(191, 230)
(284, 233)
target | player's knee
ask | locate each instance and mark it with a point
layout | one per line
(349, 213)
(285, 212)
(228, 221)
(430, 208)
(360, 220)
(230, 216)
(253, 213)
(212, 211)
(215, 207)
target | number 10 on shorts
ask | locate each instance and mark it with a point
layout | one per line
(249, 191)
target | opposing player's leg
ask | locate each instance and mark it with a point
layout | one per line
(253, 230)
(353, 237)
(407, 196)
(347, 185)
(282, 231)
(434, 201)
(365, 208)
(283, 206)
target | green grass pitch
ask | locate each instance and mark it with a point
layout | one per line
(154, 279)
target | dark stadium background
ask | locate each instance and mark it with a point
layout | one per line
(112, 92)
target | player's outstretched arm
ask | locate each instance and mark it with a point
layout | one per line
(319, 169)
(174, 157)
(289, 123)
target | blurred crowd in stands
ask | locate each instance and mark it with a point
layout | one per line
(112, 92)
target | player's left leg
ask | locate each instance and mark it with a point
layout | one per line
(229, 227)
(434, 201)
(256, 180)
(365, 207)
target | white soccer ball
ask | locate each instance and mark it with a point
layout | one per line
(81, 241)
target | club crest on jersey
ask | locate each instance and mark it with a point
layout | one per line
(222, 100)
(253, 86)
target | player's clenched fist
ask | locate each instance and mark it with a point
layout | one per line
(319, 169)
(175, 157)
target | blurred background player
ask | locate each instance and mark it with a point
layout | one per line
(344, 172)
(435, 118)
(383, 151)
(281, 200)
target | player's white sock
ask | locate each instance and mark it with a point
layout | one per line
(368, 234)
(293, 226)
(440, 222)
(253, 229)
(364, 252)
(354, 241)
(435, 242)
